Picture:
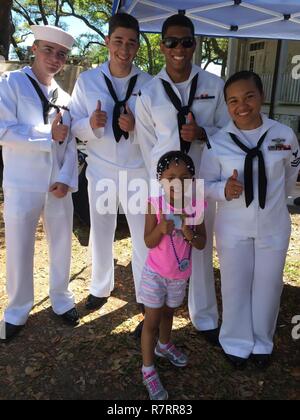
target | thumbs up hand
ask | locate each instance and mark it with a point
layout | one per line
(59, 130)
(233, 189)
(166, 226)
(98, 118)
(191, 131)
(126, 120)
(235, 175)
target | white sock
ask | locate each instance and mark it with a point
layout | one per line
(163, 346)
(147, 369)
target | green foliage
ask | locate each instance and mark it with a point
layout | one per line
(90, 46)
(215, 50)
(149, 57)
(91, 50)
(95, 11)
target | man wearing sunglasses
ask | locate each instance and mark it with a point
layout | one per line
(177, 110)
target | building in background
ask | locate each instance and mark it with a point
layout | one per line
(259, 55)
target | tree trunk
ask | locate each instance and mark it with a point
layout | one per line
(224, 66)
(150, 54)
(6, 27)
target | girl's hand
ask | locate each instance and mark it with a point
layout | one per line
(196, 238)
(166, 227)
(186, 230)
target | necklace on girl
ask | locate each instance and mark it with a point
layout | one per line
(184, 264)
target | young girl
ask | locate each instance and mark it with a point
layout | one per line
(250, 168)
(168, 266)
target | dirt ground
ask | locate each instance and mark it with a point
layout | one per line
(100, 359)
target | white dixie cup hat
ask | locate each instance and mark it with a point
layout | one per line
(53, 34)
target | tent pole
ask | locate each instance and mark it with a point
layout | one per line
(275, 79)
(197, 59)
(116, 6)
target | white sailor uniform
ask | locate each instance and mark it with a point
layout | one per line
(157, 130)
(252, 232)
(32, 163)
(111, 156)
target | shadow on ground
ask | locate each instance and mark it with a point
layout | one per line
(100, 359)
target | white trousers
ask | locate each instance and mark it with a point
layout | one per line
(202, 300)
(22, 211)
(103, 229)
(252, 282)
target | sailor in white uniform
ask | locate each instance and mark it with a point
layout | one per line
(40, 172)
(177, 110)
(250, 168)
(103, 106)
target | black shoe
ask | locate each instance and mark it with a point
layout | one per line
(9, 331)
(138, 331)
(261, 361)
(297, 201)
(212, 336)
(71, 317)
(238, 363)
(94, 302)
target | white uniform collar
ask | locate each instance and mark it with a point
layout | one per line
(164, 75)
(28, 70)
(266, 125)
(105, 69)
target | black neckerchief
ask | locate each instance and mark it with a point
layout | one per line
(248, 170)
(118, 132)
(47, 105)
(183, 111)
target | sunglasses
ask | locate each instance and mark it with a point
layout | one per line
(172, 42)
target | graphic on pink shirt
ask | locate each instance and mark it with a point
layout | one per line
(172, 257)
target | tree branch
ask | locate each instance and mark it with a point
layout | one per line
(43, 13)
(18, 50)
(87, 46)
(83, 18)
(23, 12)
(57, 9)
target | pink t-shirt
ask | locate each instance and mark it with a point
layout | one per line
(162, 259)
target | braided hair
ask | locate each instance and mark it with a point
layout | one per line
(174, 156)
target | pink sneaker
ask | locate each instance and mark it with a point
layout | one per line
(154, 387)
(175, 356)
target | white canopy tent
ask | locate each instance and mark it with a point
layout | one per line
(277, 19)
